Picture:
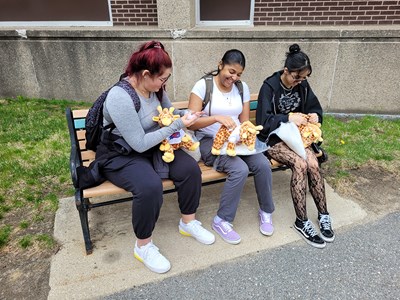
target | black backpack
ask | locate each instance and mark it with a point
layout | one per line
(209, 89)
(94, 118)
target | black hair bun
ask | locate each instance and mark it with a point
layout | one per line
(294, 49)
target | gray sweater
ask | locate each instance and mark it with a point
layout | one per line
(138, 128)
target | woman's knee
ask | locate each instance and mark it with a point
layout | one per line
(149, 189)
(188, 170)
(261, 166)
(241, 170)
(300, 166)
(193, 169)
(313, 164)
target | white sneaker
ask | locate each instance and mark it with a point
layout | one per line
(194, 229)
(152, 258)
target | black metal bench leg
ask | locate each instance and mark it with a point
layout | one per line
(83, 215)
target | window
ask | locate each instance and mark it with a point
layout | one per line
(55, 13)
(224, 12)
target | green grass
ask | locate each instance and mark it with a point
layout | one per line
(354, 142)
(5, 232)
(34, 160)
(34, 150)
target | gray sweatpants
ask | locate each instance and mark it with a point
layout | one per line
(237, 168)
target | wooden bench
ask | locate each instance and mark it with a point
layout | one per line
(81, 156)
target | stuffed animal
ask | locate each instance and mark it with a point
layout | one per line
(310, 132)
(245, 133)
(179, 139)
(248, 134)
(220, 138)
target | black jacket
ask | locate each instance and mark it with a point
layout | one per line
(268, 114)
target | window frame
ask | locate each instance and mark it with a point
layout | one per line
(224, 23)
(61, 23)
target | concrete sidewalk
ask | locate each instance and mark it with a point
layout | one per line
(112, 267)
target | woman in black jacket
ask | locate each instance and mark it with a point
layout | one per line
(283, 93)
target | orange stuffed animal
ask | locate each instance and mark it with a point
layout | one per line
(310, 132)
(245, 133)
(176, 140)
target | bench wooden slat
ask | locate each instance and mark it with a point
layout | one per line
(81, 134)
(252, 116)
(107, 188)
(79, 113)
(275, 164)
(88, 155)
(253, 97)
(82, 144)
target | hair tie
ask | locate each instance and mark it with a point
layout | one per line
(157, 45)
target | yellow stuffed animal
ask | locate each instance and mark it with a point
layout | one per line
(310, 132)
(245, 133)
(176, 140)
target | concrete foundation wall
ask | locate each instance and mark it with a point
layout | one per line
(355, 70)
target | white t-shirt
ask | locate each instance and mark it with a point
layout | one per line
(226, 104)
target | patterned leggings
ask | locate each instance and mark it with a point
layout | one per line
(301, 170)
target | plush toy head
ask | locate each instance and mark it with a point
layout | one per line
(166, 116)
(248, 134)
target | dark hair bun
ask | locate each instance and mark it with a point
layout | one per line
(294, 49)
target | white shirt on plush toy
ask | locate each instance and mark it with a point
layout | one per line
(235, 135)
(226, 104)
(176, 137)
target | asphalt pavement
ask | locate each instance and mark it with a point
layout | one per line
(362, 263)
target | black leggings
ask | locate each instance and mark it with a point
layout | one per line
(301, 170)
(137, 175)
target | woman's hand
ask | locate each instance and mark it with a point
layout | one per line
(298, 119)
(313, 118)
(191, 118)
(227, 121)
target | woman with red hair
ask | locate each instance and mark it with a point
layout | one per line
(135, 170)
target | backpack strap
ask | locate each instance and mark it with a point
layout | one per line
(239, 85)
(209, 89)
(131, 91)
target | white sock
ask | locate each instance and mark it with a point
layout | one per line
(265, 213)
(217, 219)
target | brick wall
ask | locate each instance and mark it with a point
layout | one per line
(326, 12)
(280, 12)
(134, 12)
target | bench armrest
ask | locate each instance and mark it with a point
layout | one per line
(74, 163)
(74, 159)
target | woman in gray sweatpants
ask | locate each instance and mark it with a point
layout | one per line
(229, 106)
